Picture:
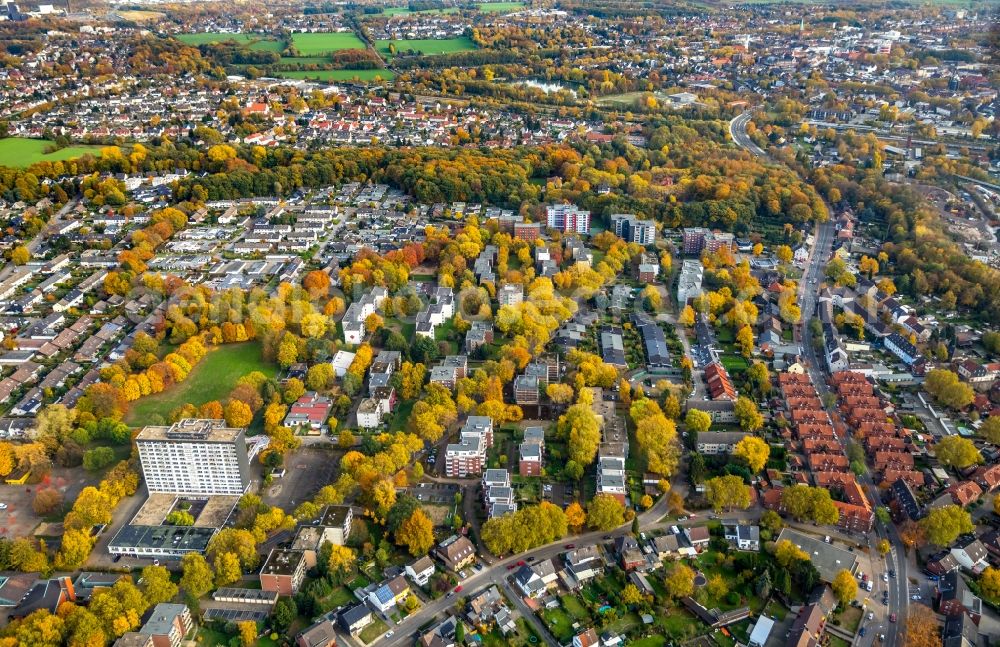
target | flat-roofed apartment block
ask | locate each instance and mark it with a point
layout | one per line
(168, 624)
(283, 572)
(194, 457)
(469, 455)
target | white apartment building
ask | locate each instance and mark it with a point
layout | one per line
(631, 229)
(568, 217)
(469, 455)
(353, 322)
(194, 457)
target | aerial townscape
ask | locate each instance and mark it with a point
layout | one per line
(460, 323)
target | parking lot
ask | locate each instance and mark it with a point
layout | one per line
(19, 519)
(437, 493)
(306, 470)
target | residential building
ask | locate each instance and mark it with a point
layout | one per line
(354, 619)
(310, 412)
(370, 413)
(283, 572)
(194, 457)
(901, 348)
(526, 390)
(742, 536)
(631, 229)
(530, 459)
(319, 634)
(421, 570)
(468, 456)
(719, 442)
(568, 218)
(336, 524)
(510, 294)
(168, 624)
(955, 598)
(456, 552)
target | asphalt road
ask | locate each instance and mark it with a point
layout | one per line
(896, 558)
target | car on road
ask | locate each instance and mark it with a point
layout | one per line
(916, 597)
(608, 537)
(532, 558)
(512, 567)
(885, 577)
(389, 633)
(892, 617)
(458, 589)
(522, 563)
(3, 506)
(892, 572)
(569, 546)
(871, 616)
(450, 594)
(863, 630)
(868, 586)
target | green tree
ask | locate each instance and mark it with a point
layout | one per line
(845, 587)
(156, 585)
(958, 452)
(943, 525)
(679, 581)
(755, 451)
(698, 421)
(605, 512)
(727, 492)
(197, 578)
(747, 414)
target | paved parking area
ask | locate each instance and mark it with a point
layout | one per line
(306, 470)
(440, 493)
(19, 519)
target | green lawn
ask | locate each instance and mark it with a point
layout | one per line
(401, 416)
(559, 623)
(21, 152)
(575, 608)
(427, 46)
(406, 11)
(338, 75)
(313, 44)
(500, 7)
(372, 631)
(256, 41)
(212, 379)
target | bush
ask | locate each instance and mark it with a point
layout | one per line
(47, 501)
(98, 458)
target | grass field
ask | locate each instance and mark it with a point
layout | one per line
(255, 41)
(500, 7)
(338, 75)
(313, 44)
(427, 46)
(404, 11)
(21, 152)
(212, 379)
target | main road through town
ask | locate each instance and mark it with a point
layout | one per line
(896, 559)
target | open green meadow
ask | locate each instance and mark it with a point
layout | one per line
(338, 75)
(500, 7)
(405, 11)
(255, 41)
(212, 379)
(21, 152)
(313, 44)
(427, 46)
